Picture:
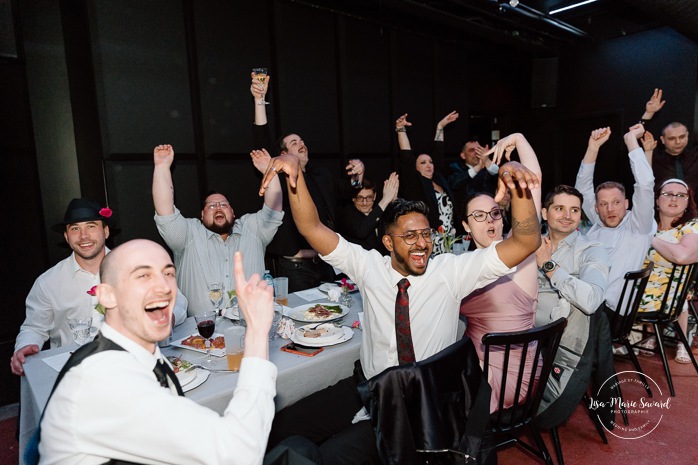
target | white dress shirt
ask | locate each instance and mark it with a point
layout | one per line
(112, 406)
(60, 293)
(201, 256)
(627, 243)
(434, 296)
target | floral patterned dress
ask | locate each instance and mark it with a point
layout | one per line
(446, 219)
(657, 284)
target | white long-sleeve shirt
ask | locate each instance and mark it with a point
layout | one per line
(112, 406)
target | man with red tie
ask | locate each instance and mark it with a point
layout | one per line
(411, 303)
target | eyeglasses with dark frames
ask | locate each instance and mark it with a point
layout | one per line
(480, 216)
(411, 237)
(214, 205)
(366, 199)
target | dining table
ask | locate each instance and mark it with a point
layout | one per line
(298, 375)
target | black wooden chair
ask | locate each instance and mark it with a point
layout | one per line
(623, 319)
(675, 297)
(507, 422)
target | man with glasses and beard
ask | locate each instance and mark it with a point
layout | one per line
(411, 303)
(203, 249)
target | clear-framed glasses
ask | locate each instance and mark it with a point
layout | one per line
(480, 216)
(214, 205)
(364, 199)
(680, 195)
(411, 237)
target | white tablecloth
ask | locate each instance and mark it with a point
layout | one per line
(298, 376)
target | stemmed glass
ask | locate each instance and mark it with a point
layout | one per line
(206, 324)
(215, 293)
(261, 75)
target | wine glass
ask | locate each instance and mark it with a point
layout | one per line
(80, 327)
(206, 324)
(261, 75)
(215, 293)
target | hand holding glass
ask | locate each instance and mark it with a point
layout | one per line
(80, 327)
(261, 75)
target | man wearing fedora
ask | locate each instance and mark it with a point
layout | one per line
(63, 291)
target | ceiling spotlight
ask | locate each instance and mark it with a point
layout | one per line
(513, 3)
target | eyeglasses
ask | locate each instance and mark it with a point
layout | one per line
(362, 199)
(214, 205)
(480, 216)
(669, 195)
(411, 237)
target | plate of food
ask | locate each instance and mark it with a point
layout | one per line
(346, 334)
(198, 344)
(318, 333)
(185, 371)
(313, 313)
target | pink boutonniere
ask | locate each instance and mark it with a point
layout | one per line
(93, 292)
(106, 212)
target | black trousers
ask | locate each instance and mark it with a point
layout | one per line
(325, 418)
(303, 274)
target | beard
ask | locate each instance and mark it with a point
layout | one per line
(402, 260)
(223, 228)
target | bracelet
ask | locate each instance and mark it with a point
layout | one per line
(402, 129)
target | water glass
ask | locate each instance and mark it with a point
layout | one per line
(278, 315)
(81, 327)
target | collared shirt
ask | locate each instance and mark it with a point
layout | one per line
(60, 293)
(434, 296)
(580, 280)
(112, 406)
(664, 166)
(201, 256)
(627, 243)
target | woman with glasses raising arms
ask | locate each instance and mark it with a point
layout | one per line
(509, 303)
(676, 241)
(358, 223)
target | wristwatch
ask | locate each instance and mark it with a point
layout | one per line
(548, 266)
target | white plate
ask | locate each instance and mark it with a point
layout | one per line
(297, 313)
(232, 313)
(214, 352)
(348, 334)
(333, 333)
(199, 379)
(186, 377)
(326, 287)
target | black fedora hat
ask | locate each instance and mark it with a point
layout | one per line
(83, 209)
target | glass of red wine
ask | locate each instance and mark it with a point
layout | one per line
(206, 324)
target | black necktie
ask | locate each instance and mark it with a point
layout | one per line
(403, 333)
(678, 167)
(162, 372)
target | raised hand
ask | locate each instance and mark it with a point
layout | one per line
(258, 89)
(513, 175)
(287, 163)
(402, 122)
(502, 148)
(260, 159)
(655, 102)
(256, 300)
(637, 130)
(599, 137)
(391, 187)
(355, 167)
(448, 119)
(649, 143)
(163, 155)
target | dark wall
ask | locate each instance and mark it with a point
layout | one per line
(104, 82)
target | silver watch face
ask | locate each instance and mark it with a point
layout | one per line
(549, 266)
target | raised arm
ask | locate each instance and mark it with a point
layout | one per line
(258, 91)
(585, 175)
(256, 302)
(525, 226)
(401, 128)
(528, 159)
(163, 188)
(654, 104)
(390, 189)
(648, 145)
(445, 121)
(273, 193)
(630, 138)
(320, 237)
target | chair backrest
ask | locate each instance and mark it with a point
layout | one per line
(623, 319)
(681, 280)
(427, 405)
(546, 340)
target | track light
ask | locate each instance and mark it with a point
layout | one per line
(569, 7)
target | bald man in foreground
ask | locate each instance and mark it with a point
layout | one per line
(113, 405)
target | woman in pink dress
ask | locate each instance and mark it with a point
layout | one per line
(508, 304)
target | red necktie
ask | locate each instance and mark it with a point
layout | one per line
(405, 350)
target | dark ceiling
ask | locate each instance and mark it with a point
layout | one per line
(529, 25)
